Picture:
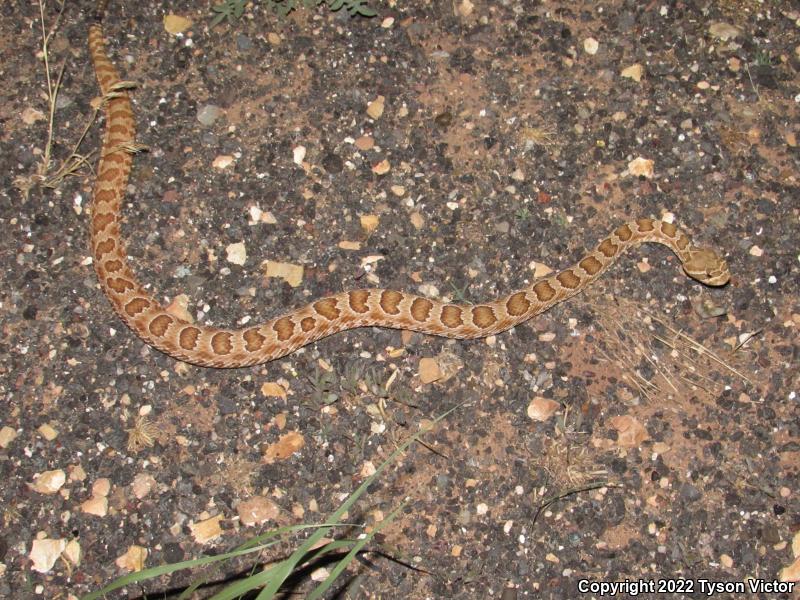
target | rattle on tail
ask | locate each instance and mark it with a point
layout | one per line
(277, 337)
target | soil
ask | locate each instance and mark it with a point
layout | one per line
(666, 440)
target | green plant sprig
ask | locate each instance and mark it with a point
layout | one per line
(233, 9)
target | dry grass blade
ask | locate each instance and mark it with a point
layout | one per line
(746, 339)
(622, 354)
(570, 492)
(701, 349)
(630, 334)
(75, 161)
(52, 89)
(538, 136)
(693, 366)
(129, 147)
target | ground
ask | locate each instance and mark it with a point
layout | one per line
(646, 430)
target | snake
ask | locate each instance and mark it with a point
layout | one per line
(209, 346)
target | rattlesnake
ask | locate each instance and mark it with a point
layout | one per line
(277, 337)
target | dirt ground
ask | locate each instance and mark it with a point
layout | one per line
(646, 430)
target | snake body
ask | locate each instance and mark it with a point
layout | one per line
(277, 337)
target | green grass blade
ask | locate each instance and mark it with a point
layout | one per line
(248, 547)
(342, 564)
(154, 572)
(304, 548)
(272, 578)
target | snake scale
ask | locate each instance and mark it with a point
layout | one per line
(279, 336)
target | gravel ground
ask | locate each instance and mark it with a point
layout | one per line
(647, 430)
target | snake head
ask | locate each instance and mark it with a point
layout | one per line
(706, 267)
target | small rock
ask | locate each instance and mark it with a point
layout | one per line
(541, 409)
(375, 108)
(365, 142)
(689, 493)
(176, 24)
(367, 469)
(96, 505)
(31, 115)
(208, 114)
(634, 72)
(257, 510)
(49, 482)
(332, 163)
(63, 101)
(45, 552)
(236, 253)
(272, 389)
(443, 120)
(48, 432)
(631, 433)
(133, 559)
(243, 42)
(382, 167)
(298, 154)
(723, 31)
(591, 45)
(429, 370)
(287, 445)
(273, 38)
(206, 530)
(7, 435)
(539, 269)
(76, 473)
(142, 485)
(223, 161)
(369, 223)
(290, 273)
(101, 487)
(641, 167)
(464, 8)
(73, 552)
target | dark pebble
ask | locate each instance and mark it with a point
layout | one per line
(173, 552)
(770, 534)
(689, 493)
(243, 42)
(332, 163)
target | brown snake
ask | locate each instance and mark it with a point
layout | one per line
(277, 337)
